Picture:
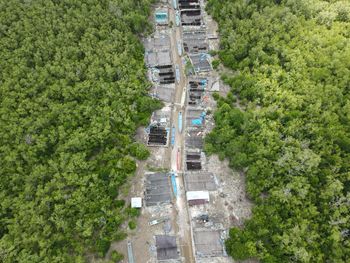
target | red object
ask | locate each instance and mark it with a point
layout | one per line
(197, 202)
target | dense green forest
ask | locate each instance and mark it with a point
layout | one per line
(72, 93)
(286, 124)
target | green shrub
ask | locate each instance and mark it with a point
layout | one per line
(132, 224)
(116, 256)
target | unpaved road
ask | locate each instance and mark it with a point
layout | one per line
(183, 220)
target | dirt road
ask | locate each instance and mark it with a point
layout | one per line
(183, 221)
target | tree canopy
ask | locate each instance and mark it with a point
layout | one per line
(72, 93)
(286, 122)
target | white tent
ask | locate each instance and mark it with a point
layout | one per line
(197, 195)
(136, 202)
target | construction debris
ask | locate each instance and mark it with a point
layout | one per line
(157, 221)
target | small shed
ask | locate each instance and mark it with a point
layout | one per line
(197, 197)
(136, 202)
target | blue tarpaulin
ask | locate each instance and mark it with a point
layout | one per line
(173, 182)
(180, 122)
(197, 122)
(161, 17)
(178, 18)
(173, 136)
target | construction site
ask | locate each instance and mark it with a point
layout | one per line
(188, 200)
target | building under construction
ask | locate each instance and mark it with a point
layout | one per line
(189, 4)
(191, 17)
(195, 91)
(158, 190)
(158, 59)
(195, 41)
(193, 160)
(159, 128)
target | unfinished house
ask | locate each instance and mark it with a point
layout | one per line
(163, 92)
(159, 129)
(193, 160)
(157, 42)
(200, 62)
(194, 139)
(158, 135)
(166, 247)
(158, 59)
(191, 17)
(199, 181)
(189, 4)
(208, 243)
(195, 41)
(158, 190)
(195, 117)
(162, 70)
(161, 17)
(195, 91)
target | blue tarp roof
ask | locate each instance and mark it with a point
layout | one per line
(197, 122)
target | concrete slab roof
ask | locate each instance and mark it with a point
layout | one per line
(200, 181)
(208, 243)
(157, 42)
(158, 58)
(158, 189)
(166, 247)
